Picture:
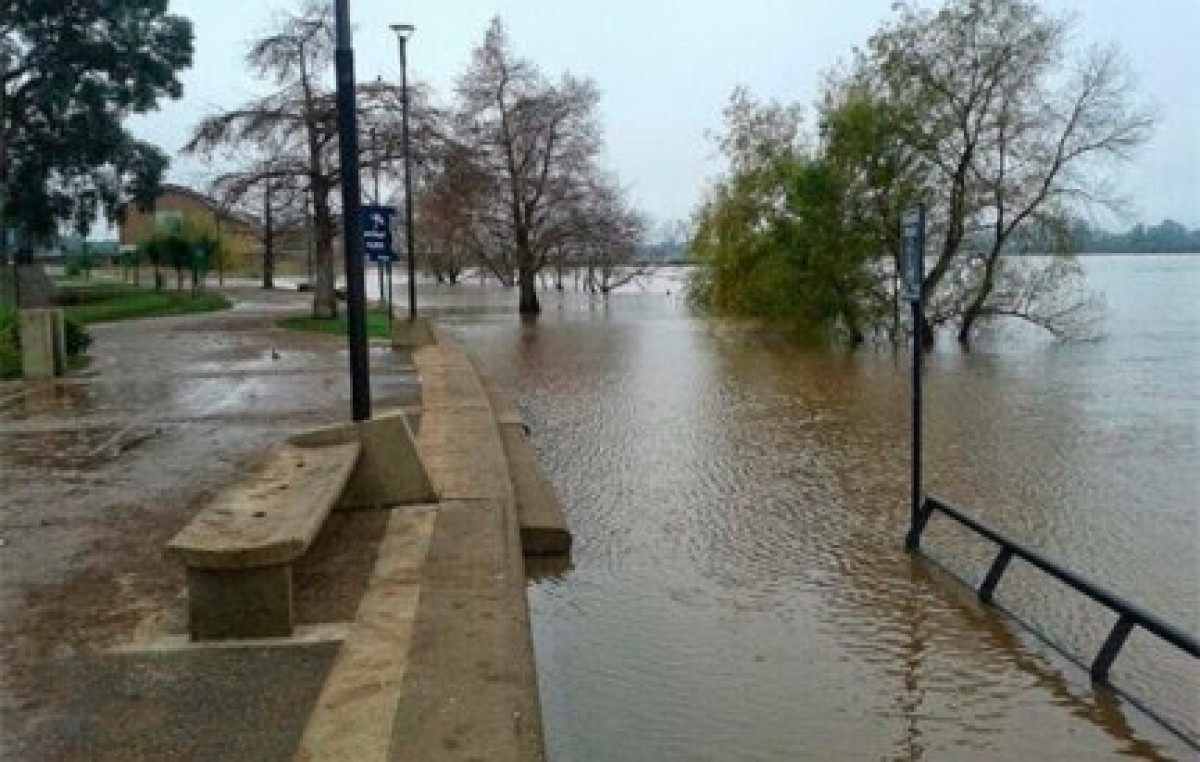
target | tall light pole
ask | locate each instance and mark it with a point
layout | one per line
(379, 266)
(352, 244)
(403, 32)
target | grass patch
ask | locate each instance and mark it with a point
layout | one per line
(10, 349)
(115, 301)
(377, 324)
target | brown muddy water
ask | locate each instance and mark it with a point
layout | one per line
(738, 589)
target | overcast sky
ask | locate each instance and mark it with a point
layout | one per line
(665, 69)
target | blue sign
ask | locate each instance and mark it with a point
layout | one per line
(377, 232)
(912, 261)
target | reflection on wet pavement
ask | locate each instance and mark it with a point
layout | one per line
(99, 469)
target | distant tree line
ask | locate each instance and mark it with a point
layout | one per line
(1167, 237)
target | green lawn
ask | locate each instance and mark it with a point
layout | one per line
(101, 302)
(377, 324)
(105, 302)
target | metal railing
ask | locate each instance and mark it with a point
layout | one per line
(1129, 615)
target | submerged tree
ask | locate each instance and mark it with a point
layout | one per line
(533, 146)
(780, 236)
(1010, 130)
(446, 215)
(70, 73)
(981, 110)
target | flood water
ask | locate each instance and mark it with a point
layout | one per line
(739, 589)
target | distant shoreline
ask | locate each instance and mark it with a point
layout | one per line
(1107, 254)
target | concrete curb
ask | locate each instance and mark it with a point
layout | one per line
(439, 663)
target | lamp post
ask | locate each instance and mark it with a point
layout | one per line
(379, 266)
(347, 125)
(403, 32)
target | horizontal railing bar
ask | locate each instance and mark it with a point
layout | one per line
(1138, 615)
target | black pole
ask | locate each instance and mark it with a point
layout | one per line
(408, 205)
(347, 124)
(918, 318)
(375, 199)
(374, 167)
(914, 264)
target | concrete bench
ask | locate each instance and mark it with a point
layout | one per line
(239, 549)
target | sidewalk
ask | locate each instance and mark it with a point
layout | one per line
(97, 472)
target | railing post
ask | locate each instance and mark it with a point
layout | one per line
(988, 588)
(1112, 647)
(913, 541)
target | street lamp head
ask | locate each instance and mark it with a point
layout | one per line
(403, 30)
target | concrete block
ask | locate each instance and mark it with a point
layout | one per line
(411, 334)
(243, 603)
(43, 342)
(389, 470)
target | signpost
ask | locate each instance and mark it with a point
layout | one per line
(913, 264)
(377, 232)
(912, 272)
(377, 240)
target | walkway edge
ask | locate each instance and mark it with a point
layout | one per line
(353, 717)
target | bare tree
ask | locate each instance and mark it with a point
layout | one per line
(607, 235)
(266, 191)
(445, 216)
(1008, 130)
(293, 130)
(297, 121)
(534, 145)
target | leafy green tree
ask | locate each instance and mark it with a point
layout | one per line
(783, 237)
(191, 248)
(71, 71)
(1010, 129)
(865, 139)
(980, 109)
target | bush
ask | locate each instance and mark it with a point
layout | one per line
(10, 344)
(77, 339)
(80, 265)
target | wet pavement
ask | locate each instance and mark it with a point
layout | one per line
(98, 471)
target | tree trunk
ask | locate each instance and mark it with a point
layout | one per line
(268, 272)
(967, 327)
(927, 336)
(324, 297)
(527, 280)
(974, 310)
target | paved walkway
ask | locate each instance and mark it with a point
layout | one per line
(98, 471)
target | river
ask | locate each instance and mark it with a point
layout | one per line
(738, 587)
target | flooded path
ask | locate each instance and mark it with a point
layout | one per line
(739, 590)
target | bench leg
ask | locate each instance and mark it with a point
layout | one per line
(241, 603)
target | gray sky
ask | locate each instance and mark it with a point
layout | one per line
(665, 69)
